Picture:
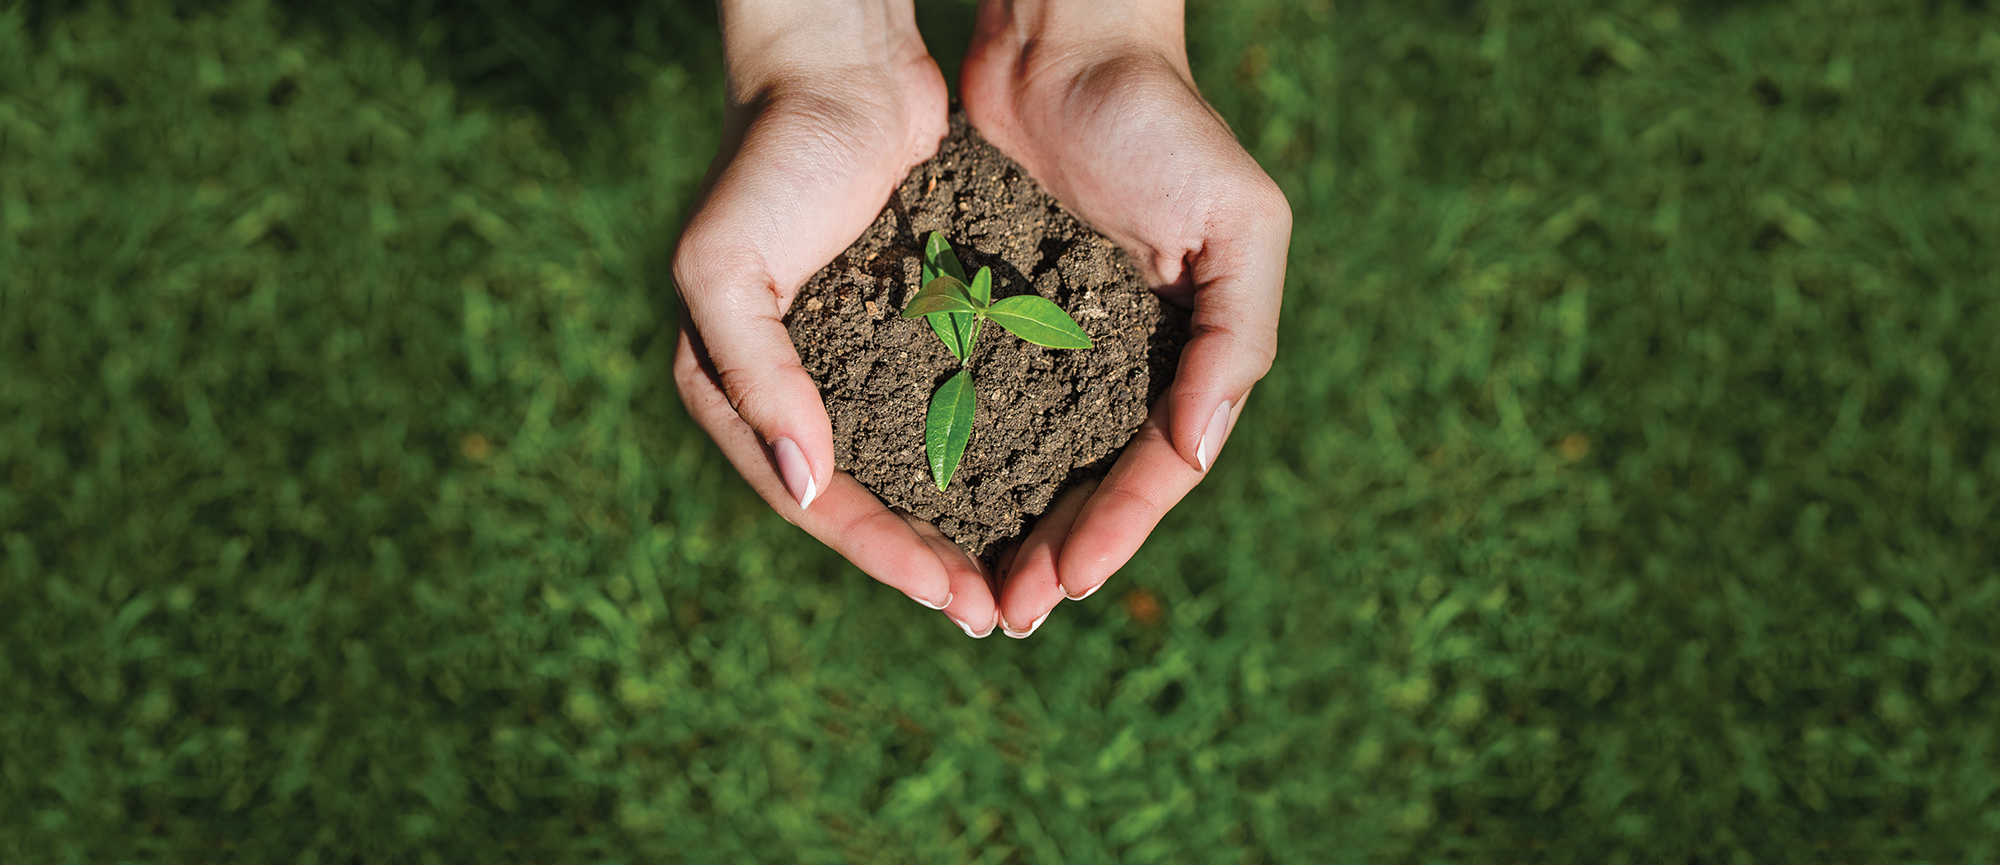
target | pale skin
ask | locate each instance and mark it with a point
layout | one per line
(831, 102)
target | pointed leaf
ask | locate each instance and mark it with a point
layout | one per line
(948, 426)
(945, 325)
(982, 287)
(948, 326)
(943, 294)
(1037, 320)
(930, 269)
(956, 330)
(939, 257)
(972, 331)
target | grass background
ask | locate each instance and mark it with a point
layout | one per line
(1625, 491)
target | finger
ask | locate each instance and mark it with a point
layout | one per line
(1031, 589)
(1238, 280)
(1005, 564)
(846, 517)
(1148, 480)
(1201, 219)
(774, 216)
(972, 607)
(748, 358)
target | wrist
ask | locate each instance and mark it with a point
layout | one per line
(1033, 38)
(767, 43)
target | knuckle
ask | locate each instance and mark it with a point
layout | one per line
(1268, 202)
(710, 257)
(699, 261)
(748, 388)
(1256, 343)
(1264, 345)
(1266, 356)
(1138, 498)
(738, 389)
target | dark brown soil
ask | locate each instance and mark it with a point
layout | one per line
(1046, 418)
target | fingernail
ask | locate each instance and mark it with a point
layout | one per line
(796, 471)
(1086, 593)
(1022, 635)
(979, 635)
(947, 602)
(1211, 438)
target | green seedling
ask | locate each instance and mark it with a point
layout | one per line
(956, 309)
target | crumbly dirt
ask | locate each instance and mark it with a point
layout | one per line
(1046, 418)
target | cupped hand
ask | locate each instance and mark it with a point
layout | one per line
(830, 104)
(1095, 99)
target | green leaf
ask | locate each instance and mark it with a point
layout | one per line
(1037, 320)
(944, 304)
(982, 296)
(930, 267)
(948, 426)
(971, 332)
(948, 326)
(939, 260)
(982, 287)
(957, 330)
(943, 294)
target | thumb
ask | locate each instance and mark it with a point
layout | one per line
(746, 353)
(1238, 284)
(794, 192)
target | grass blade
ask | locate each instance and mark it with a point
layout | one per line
(948, 426)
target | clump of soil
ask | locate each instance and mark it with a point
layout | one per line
(1046, 418)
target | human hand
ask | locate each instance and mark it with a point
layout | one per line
(830, 104)
(1095, 99)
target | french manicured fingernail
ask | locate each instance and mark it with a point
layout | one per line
(1211, 438)
(1022, 635)
(1086, 593)
(798, 473)
(947, 602)
(980, 635)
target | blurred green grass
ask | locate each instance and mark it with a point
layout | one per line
(1624, 491)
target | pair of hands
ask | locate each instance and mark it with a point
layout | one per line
(831, 102)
